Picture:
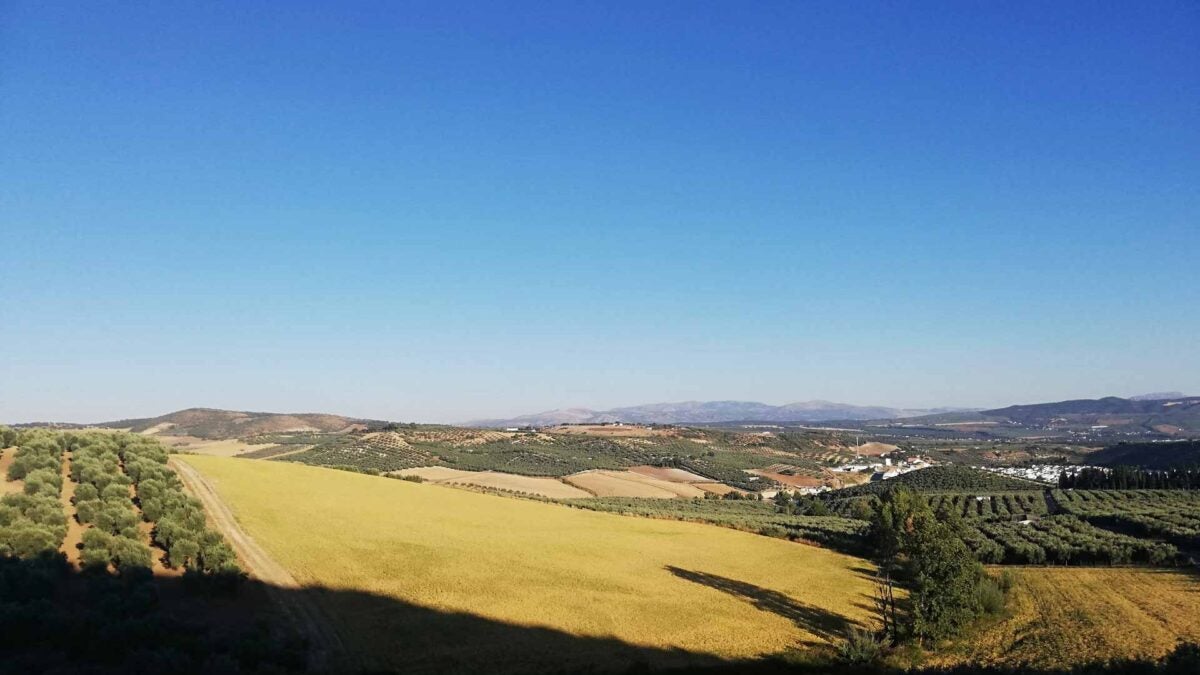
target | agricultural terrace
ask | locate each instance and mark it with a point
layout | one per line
(432, 563)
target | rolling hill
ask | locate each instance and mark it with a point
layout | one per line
(209, 423)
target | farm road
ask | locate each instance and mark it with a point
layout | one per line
(300, 608)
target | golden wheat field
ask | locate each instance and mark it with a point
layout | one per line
(469, 580)
(1064, 616)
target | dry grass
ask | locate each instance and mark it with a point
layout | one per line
(545, 487)
(670, 474)
(222, 448)
(1063, 616)
(873, 449)
(629, 484)
(795, 480)
(653, 583)
(611, 431)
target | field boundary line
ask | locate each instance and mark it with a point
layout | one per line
(309, 619)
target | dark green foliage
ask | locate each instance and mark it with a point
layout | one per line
(860, 648)
(33, 522)
(948, 588)
(1127, 478)
(1160, 456)
(179, 521)
(940, 479)
(1173, 515)
(762, 517)
(53, 620)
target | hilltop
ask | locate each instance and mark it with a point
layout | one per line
(210, 423)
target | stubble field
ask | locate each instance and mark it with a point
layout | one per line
(470, 581)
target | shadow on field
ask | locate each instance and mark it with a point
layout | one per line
(820, 622)
(56, 620)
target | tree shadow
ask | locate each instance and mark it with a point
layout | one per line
(822, 623)
(58, 621)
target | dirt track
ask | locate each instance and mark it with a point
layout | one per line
(325, 645)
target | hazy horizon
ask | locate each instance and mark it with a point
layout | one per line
(442, 212)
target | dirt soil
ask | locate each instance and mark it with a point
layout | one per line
(74, 539)
(8, 486)
(310, 620)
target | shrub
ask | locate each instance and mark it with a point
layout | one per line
(860, 648)
(991, 595)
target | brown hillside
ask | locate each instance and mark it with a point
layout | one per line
(211, 424)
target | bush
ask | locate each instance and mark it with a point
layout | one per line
(860, 648)
(991, 595)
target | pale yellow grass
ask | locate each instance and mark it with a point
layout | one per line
(629, 484)
(434, 474)
(647, 582)
(545, 487)
(1063, 616)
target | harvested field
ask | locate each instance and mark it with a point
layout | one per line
(221, 448)
(545, 487)
(1061, 617)
(434, 474)
(158, 428)
(717, 488)
(670, 474)
(873, 449)
(611, 431)
(603, 483)
(789, 480)
(454, 581)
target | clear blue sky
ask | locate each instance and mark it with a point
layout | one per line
(439, 211)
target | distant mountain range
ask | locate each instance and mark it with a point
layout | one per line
(707, 412)
(1152, 413)
(1168, 412)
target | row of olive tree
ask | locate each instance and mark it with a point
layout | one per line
(179, 522)
(102, 500)
(32, 522)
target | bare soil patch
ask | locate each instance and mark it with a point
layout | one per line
(8, 486)
(874, 449)
(74, 539)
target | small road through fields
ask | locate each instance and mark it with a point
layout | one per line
(325, 645)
